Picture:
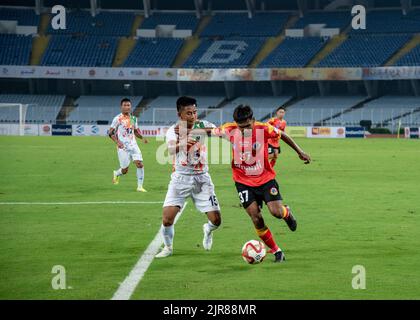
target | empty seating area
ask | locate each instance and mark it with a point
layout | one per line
(391, 21)
(412, 58)
(293, 52)
(91, 109)
(229, 53)
(262, 24)
(24, 17)
(365, 51)
(381, 111)
(104, 23)
(182, 21)
(340, 19)
(316, 109)
(82, 51)
(15, 49)
(41, 108)
(160, 52)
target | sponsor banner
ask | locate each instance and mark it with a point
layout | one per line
(355, 132)
(391, 73)
(61, 130)
(412, 133)
(44, 130)
(296, 132)
(154, 131)
(7, 129)
(31, 130)
(90, 130)
(301, 74)
(326, 132)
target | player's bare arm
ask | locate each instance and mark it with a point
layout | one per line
(113, 136)
(302, 155)
(138, 134)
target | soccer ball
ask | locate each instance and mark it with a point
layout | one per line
(253, 251)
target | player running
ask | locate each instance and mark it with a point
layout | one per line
(190, 177)
(123, 131)
(253, 175)
(273, 144)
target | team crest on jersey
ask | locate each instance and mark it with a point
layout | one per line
(274, 191)
(256, 146)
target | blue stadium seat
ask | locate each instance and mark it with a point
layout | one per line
(159, 52)
(339, 19)
(24, 17)
(293, 52)
(229, 53)
(411, 59)
(15, 49)
(183, 21)
(82, 51)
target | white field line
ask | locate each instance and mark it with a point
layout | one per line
(130, 283)
(77, 203)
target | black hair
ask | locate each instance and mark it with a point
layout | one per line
(242, 113)
(124, 100)
(281, 108)
(185, 102)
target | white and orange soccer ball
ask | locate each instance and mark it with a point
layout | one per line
(253, 251)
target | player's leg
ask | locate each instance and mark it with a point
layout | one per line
(251, 200)
(205, 200)
(124, 160)
(274, 157)
(138, 161)
(168, 231)
(273, 199)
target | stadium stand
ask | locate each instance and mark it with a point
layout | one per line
(24, 17)
(381, 111)
(91, 109)
(293, 52)
(365, 51)
(82, 51)
(159, 52)
(315, 109)
(340, 19)
(41, 108)
(412, 58)
(262, 24)
(162, 110)
(230, 53)
(182, 21)
(15, 49)
(104, 23)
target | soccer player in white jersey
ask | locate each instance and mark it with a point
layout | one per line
(124, 130)
(190, 177)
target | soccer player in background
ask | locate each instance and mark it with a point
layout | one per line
(123, 131)
(253, 175)
(273, 144)
(190, 177)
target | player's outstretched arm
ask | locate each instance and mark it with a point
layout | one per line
(302, 155)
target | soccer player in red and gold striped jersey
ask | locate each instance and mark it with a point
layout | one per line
(253, 175)
(273, 144)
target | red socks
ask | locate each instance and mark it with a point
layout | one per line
(266, 236)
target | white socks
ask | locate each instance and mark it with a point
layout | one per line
(168, 235)
(118, 172)
(210, 226)
(140, 176)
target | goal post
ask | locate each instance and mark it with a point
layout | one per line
(12, 112)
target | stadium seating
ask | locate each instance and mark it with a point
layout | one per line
(41, 108)
(228, 53)
(24, 17)
(162, 110)
(159, 52)
(315, 109)
(382, 110)
(262, 24)
(15, 49)
(293, 52)
(184, 21)
(391, 21)
(412, 58)
(91, 109)
(365, 51)
(104, 23)
(82, 51)
(340, 19)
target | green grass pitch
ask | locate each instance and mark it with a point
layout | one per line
(356, 204)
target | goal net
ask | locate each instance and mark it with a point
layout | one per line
(13, 113)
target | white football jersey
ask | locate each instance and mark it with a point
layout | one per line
(195, 160)
(124, 126)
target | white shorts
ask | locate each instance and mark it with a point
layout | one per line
(126, 155)
(199, 187)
